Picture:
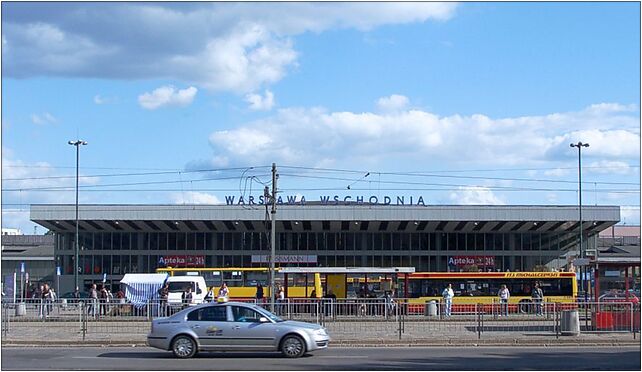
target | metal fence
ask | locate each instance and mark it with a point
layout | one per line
(345, 319)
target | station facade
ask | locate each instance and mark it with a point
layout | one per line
(119, 239)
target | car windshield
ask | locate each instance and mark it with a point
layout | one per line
(180, 286)
(268, 314)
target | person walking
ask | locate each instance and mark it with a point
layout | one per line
(537, 296)
(102, 295)
(93, 300)
(45, 298)
(38, 296)
(186, 297)
(280, 300)
(448, 295)
(504, 295)
(259, 293)
(209, 297)
(163, 294)
(223, 293)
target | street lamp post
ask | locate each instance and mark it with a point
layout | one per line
(579, 146)
(76, 143)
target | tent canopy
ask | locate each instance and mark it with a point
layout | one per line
(142, 288)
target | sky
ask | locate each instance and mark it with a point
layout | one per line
(191, 103)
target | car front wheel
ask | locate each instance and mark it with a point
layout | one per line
(183, 347)
(292, 346)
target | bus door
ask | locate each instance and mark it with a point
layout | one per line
(337, 284)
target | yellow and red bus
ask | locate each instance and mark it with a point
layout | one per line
(483, 287)
(242, 281)
(299, 282)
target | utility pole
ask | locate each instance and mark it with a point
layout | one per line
(273, 237)
(579, 146)
(76, 143)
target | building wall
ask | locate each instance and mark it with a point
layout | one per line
(118, 253)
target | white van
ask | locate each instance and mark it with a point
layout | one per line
(178, 284)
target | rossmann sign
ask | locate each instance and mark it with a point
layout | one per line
(328, 199)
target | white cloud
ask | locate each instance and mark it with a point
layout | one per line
(302, 136)
(193, 197)
(469, 195)
(38, 182)
(43, 119)
(238, 47)
(100, 100)
(258, 102)
(557, 172)
(610, 167)
(167, 96)
(607, 108)
(393, 103)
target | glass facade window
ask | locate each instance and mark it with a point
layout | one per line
(117, 253)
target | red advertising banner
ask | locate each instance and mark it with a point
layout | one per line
(182, 261)
(480, 261)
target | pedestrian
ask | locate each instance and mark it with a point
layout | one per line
(223, 293)
(186, 297)
(102, 295)
(280, 300)
(390, 302)
(93, 300)
(163, 294)
(209, 297)
(537, 296)
(76, 294)
(504, 295)
(259, 293)
(329, 302)
(448, 295)
(52, 299)
(44, 301)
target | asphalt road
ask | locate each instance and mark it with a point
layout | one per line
(382, 358)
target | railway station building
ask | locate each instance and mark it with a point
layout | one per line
(119, 239)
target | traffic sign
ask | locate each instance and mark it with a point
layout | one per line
(22, 267)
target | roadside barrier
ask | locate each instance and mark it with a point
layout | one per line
(358, 319)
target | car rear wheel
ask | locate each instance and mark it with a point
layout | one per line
(183, 347)
(292, 346)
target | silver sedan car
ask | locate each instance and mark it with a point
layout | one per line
(234, 326)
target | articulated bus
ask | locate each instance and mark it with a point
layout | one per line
(482, 287)
(300, 282)
(418, 287)
(242, 281)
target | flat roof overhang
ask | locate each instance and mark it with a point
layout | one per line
(320, 218)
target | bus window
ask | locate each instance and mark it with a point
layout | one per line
(254, 277)
(213, 278)
(233, 278)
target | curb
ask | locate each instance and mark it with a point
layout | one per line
(359, 343)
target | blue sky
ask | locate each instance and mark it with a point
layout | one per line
(488, 94)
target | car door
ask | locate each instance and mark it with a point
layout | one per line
(210, 325)
(248, 332)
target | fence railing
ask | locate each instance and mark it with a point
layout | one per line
(344, 318)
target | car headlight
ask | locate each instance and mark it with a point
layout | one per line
(320, 332)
